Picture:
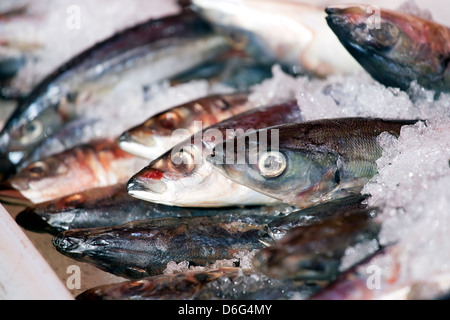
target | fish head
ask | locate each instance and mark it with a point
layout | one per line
(157, 134)
(33, 181)
(163, 131)
(104, 248)
(175, 178)
(35, 119)
(262, 161)
(386, 43)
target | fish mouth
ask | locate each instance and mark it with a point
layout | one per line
(7, 168)
(130, 143)
(68, 245)
(30, 220)
(143, 188)
(10, 195)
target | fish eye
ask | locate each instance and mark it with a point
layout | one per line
(31, 132)
(183, 161)
(271, 164)
(37, 169)
(169, 120)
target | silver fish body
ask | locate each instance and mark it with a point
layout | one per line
(143, 248)
(112, 205)
(307, 163)
(142, 54)
(192, 181)
(285, 32)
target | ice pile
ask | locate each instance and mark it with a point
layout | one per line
(412, 187)
(355, 95)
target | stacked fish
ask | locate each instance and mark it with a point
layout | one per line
(253, 180)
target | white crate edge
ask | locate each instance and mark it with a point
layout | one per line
(24, 273)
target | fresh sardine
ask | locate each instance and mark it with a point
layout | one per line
(157, 134)
(97, 164)
(102, 76)
(307, 163)
(182, 177)
(395, 48)
(143, 248)
(112, 205)
(286, 32)
(314, 251)
(218, 284)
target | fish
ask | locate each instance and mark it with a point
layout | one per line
(182, 177)
(143, 248)
(307, 163)
(288, 33)
(157, 134)
(315, 214)
(102, 75)
(112, 205)
(227, 283)
(233, 69)
(100, 163)
(314, 251)
(395, 48)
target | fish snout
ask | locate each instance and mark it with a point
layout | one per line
(134, 144)
(30, 220)
(7, 168)
(66, 244)
(146, 181)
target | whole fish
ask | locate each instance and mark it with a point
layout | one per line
(285, 32)
(143, 248)
(311, 215)
(156, 135)
(182, 177)
(218, 284)
(112, 205)
(99, 163)
(314, 252)
(307, 163)
(394, 47)
(102, 75)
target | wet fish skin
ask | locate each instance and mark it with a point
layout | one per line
(143, 248)
(87, 166)
(218, 284)
(156, 135)
(314, 251)
(402, 49)
(324, 159)
(62, 95)
(110, 206)
(165, 182)
(311, 215)
(289, 33)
